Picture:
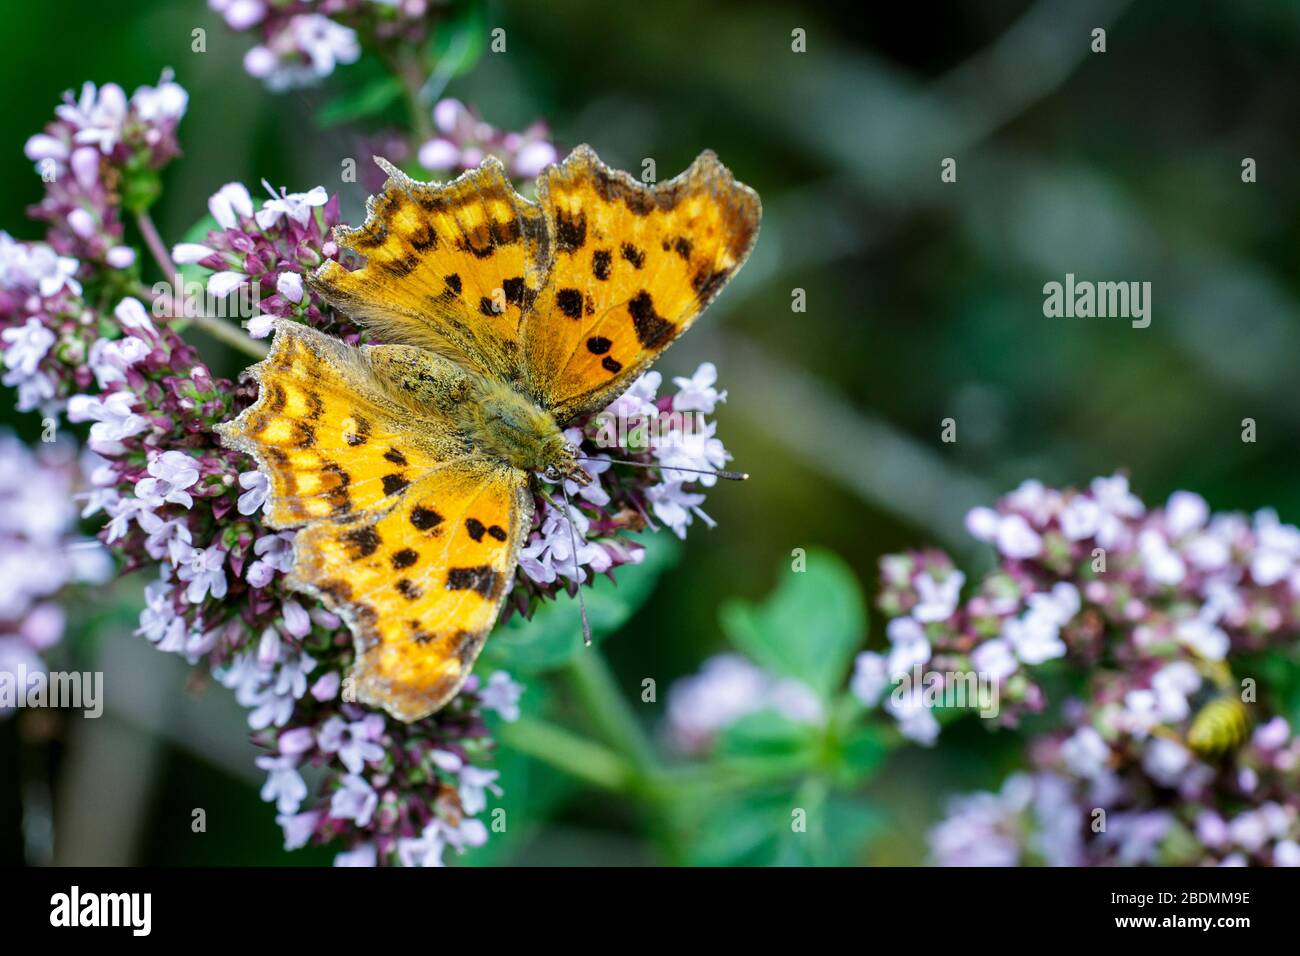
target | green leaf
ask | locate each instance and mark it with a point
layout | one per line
(767, 734)
(808, 629)
(760, 830)
(554, 634)
(369, 99)
(863, 752)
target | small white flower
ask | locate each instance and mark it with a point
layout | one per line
(1016, 539)
(363, 855)
(169, 475)
(284, 785)
(474, 787)
(161, 103)
(298, 828)
(870, 678)
(202, 569)
(28, 345)
(98, 115)
(1086, 753)
(230, 204)
(186, 253)
(1286, 853)
(697, 393)
(295, 206)
(289, 285)
(995, 659)
(1185, 512)
(439, 155)
(915, 721)
(256, 492)
(221, 284)
(502, 694)
(131, 313)
(1160, 562)
(938, 601)
(355, 800)
(1165, 761)
(260, 326)
(909, 646)
(114, 417)
(1204, 637)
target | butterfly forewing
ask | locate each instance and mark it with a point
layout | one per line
(632, 267)
(452, 268)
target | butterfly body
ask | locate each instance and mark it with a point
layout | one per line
(511, 428)
(409, 468)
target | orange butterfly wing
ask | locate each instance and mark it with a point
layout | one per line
(405, 532)
(632, 267)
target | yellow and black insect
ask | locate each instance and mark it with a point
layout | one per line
(1219, 727)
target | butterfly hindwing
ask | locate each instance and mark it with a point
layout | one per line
(422, 582)
(328, 438)
(450, 267)
(403, 530)
(632, 266)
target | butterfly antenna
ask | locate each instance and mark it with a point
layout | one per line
(573, 544)
(729, 475)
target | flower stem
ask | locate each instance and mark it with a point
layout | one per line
(565, 750)
(232, 335)
(229, 334)
(157, 248)
(608, 710)
(411, 72)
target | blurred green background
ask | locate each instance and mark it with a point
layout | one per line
(924, 302)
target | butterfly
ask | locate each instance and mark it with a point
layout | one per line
(408, 468)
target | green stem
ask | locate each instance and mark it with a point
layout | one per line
(409, 69)
(232, 335)
(222, 331)
(565, 750)
(157, 248)
(608, 710)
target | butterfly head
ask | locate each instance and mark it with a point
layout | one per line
(567, 467)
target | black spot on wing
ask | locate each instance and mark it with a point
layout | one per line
(423, 237)
(652, 329)
(497, 532)
(400, 267)
(610, 364)
(394, 483)
(425, 518)
(396, 457)
(403, 559)
(570, 231)
(407, 589)
(475, 528)
(569, 301)
(600, 262)
(363, 542)
(633, 255)
(707, 282)
(598, 345)
(481, 579)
